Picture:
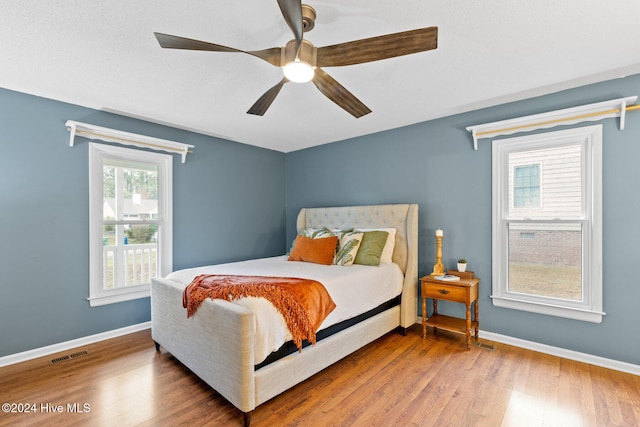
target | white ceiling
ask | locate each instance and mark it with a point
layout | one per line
(103, 55)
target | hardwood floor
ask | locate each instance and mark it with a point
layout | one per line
(395, 381)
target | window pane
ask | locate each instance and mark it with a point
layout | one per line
(130, 190)
(129, 255)
(546, 183)
(546, 260)
(527, 187)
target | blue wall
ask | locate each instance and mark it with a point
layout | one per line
(233, 201)
(434, 164)
(229, 204)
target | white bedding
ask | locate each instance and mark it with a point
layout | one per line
(355, 289)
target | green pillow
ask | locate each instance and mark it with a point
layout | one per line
(371, 248)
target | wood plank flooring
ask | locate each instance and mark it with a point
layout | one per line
(395, 381)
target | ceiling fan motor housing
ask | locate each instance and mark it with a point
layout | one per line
(308, 53)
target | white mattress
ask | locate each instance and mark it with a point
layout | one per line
(355, 289)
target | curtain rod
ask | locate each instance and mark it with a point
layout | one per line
(112, 135)
(130, 141)
(578, 117)
(574, 115)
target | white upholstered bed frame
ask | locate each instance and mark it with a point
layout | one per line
(217, 343)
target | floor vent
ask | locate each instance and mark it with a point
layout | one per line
(485, 346)
(68, 357)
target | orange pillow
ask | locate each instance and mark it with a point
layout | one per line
(319, 251)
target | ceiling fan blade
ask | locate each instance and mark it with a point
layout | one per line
(338, 94)
(167, 41)
(377, 48)
(264, 102)
(292, 13)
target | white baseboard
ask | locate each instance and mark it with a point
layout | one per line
(616, 365)
(67, 345)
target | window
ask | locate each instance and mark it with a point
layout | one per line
(526, 190)
(130, 222)
(547, 238)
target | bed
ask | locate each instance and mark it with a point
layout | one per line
(218, 343)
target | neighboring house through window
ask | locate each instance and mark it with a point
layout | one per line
(130, 197)
(547, 226)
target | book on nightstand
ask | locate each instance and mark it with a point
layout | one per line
(461, 274)
(447, 277)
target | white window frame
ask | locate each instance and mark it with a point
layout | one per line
(97, 153)
(590, 308)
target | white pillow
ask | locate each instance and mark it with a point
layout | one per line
(387, 252)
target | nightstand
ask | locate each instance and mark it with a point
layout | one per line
(464, 291)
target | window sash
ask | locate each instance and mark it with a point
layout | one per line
(585, 300)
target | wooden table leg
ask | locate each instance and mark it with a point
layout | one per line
(435, 311)
(475, 316)
(468, 331)
(424, 318)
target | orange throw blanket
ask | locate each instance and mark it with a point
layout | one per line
(304, 303)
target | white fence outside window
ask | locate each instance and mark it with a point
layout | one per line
(138, 265)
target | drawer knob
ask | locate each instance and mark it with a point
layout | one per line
(443, 291)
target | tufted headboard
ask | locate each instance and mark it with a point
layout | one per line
(402, 217)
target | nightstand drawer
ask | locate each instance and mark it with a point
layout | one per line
(448, 292)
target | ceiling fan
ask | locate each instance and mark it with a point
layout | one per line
(302, 61)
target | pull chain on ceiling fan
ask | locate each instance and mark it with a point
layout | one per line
(301, 61)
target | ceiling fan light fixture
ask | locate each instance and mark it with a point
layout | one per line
(298, 71)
